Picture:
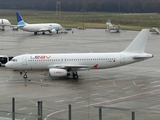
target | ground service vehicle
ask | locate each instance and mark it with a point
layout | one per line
(4, 59)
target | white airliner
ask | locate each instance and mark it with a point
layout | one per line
(4, 23)
(46, 27)
(66, 64)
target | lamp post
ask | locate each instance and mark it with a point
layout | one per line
(114, 108)
(83, 10)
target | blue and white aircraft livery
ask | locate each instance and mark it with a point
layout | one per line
(46, 27)
(69, 64)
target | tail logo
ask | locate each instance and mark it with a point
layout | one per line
(20, 20)
(95, 66)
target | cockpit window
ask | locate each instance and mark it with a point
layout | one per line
(14, 60)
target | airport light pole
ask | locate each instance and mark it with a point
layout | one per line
(88, 100)
(13, 109)
(119, 12)
(114, 108)
(40, 116)
(83, 10)
(69, 111)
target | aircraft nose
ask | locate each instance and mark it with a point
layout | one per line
(7, 65)
(60, 27)
(8, 23)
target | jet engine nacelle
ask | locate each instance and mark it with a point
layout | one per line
(57, 72)
(53, 31)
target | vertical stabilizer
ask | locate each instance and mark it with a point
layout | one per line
(139, 43)
(20, 21)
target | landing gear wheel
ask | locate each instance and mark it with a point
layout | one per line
(3, 29)
(68, 74)
(43, 33)
(21, 72)
(35, 33)
(25, 76)
(75, 75)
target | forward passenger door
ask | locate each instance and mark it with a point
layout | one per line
(24, 60)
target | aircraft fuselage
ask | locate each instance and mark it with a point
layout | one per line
(47, 61)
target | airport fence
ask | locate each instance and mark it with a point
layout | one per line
(90, 112)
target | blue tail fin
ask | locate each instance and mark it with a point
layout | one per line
(20, 21)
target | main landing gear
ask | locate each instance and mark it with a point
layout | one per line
(2, 28)
(75, 75)
(72, 73)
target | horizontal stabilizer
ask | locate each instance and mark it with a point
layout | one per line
(143, 56)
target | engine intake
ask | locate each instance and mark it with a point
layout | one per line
(53, 31)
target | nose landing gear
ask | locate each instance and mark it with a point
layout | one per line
(25, 75)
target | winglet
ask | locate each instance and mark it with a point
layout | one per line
(95, 66)
(20, 21)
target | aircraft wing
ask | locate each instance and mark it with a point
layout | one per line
(65, 66)
(44, 29)
(13, 25)
(47, 30)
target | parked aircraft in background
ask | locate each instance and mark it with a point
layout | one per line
(111, 28)
(46, 27)
(4, 23)
(157, 31)
(69, 64)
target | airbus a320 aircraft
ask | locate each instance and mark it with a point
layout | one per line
(67, 64)
(3, 23)
(46, 27)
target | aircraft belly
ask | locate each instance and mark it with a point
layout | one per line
(30, 28)
(38, 66)
(33, 29)
(105, 65)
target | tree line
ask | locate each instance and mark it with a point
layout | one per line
(128, 6)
